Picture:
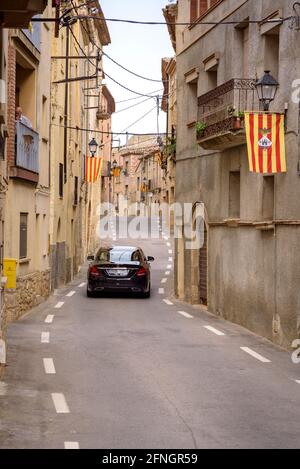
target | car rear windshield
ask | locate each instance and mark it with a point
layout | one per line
(118, 256)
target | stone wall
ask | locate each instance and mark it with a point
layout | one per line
(31, 290)
(58, 265)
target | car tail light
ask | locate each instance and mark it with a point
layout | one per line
(141, 272)
(94, 271)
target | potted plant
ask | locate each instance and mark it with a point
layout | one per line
(238, 120)
(200, 128)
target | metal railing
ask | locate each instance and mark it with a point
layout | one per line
(27, 148)
(219, 107)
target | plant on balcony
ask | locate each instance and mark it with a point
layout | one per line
(238, 120)
(169, 152)
(200, 128)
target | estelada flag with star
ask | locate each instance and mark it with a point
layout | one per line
(93, 168)
(265, 142)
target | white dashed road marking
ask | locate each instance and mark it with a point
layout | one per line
(186, 315)
(60, 403)
(161, 291)
(82, 285)
(255, 355)
(170, 251)
(168, 302)
(59, 305)
(45, 337)
(49, 318)
(169, 266)
(49, 366)
(169, 245)
(170, 259)
(164, 280)
(71, 293)
(167, 272)
(215, 331)
(71, 445)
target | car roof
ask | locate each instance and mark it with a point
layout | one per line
(120, 248)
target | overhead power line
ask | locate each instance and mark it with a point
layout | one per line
(130, 71)
(81, 129)
(138, 120)
(158, 23)
(106, 75)
(138, 97)
(134, 105)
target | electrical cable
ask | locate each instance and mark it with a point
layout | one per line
(138, 97)
(142, 117)
(110, 58)
(168, 23)
(134, 105)
(81, 129)
(106, 75)
(130, 71)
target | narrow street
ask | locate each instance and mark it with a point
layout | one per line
(136, 373)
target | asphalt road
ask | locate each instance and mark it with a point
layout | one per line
(143, 373)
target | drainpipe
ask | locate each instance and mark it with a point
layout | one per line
(66, 103)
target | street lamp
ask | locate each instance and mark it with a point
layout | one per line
(93, 145)
(266, 89)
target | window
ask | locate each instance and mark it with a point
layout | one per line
(61, 180)
(271, 51)
(23, 235)
(234, 194)
(76, 190)
(268, 198)
(211, 65)
(200, 7)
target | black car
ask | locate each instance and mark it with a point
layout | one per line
(123, 269)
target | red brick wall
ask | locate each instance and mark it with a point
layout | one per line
(11, 104)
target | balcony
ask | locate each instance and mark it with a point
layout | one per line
(221, 114)
(18, 13)
(103, 114)
(26, 154)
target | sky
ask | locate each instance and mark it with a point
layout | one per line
(139, 48)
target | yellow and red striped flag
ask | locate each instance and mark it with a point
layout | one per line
(93, 168)
(265, 142)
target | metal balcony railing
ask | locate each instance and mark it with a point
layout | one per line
(218, 109)
(27, 148)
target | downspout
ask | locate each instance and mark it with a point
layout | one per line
(66, 103)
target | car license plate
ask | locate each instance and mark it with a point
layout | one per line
(117, 272)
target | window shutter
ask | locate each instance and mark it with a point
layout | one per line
(194, 10)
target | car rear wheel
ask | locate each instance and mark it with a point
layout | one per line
(90, 294)
(147, 294)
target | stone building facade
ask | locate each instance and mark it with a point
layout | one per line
(142, 179)
(15, 16)
(75, 106)
(27, 201)
(248, 269)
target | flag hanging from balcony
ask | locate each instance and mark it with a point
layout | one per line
(265, 142)
(93, 168)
